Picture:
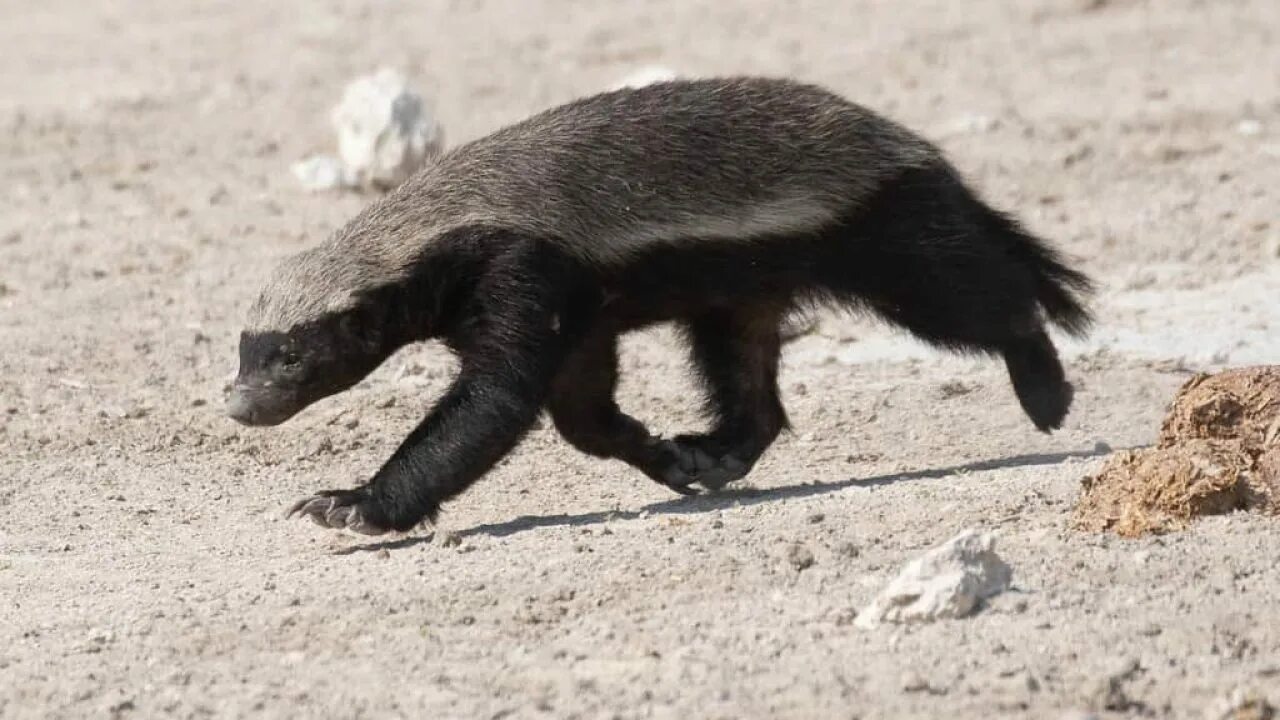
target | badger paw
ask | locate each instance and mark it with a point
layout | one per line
(662, 464)
(339, 509)
(693, 464)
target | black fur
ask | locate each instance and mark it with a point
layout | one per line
(536, 327)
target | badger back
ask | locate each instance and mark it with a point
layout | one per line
(680, 161)
(611, 174)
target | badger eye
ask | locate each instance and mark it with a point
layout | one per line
(291, 360)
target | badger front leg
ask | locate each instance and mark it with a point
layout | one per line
(510, 349)
(482, 416)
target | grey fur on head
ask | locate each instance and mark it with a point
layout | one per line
(733, 158)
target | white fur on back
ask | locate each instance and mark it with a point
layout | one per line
(784, 216)
(292, 298)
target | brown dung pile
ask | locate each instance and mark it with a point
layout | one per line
(1219, 451)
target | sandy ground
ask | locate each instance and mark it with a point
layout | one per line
(145, 569)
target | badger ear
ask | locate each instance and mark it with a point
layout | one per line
(359, 327)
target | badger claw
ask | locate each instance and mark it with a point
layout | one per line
(336, 509)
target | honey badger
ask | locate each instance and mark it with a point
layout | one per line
(721, 204)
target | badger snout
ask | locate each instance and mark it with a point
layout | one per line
(240, 409)
(249, 406)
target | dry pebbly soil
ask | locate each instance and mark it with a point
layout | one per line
(146, 570)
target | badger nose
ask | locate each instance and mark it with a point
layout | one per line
(240, 409)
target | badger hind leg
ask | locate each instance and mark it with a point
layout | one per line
(584, 411)
(735, 353)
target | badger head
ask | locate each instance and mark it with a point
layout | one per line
(316, 330)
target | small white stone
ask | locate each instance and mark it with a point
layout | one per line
(1249, 128)
(946, 582)
(385, 130)
(320, 173)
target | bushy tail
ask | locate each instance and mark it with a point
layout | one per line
(1034, 368)
(1038, 380)
(961, 275)
(1059, 289)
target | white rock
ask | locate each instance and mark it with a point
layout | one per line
(385, 130)
(1249, 128)
(320, 172)
(947, 582)
(646, 75)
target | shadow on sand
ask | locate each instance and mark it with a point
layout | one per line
(730, 498)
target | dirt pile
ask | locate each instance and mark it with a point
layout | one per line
(1219, 451)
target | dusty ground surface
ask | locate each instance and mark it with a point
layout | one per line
(145, 569)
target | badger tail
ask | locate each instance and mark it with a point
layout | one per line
(1059, 289)
(1035, 371)
(929, 255)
